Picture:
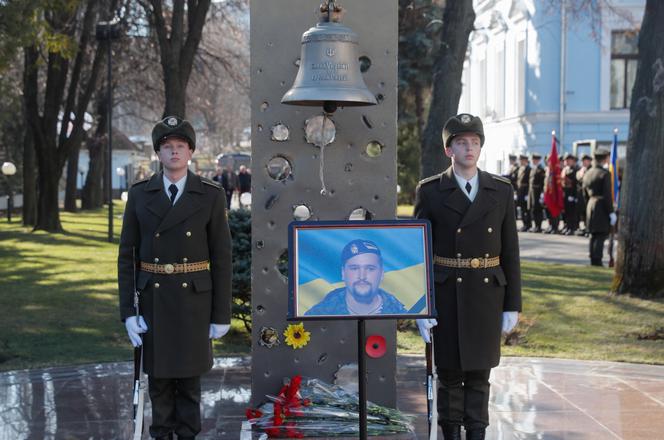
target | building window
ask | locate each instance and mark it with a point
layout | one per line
(624, 59)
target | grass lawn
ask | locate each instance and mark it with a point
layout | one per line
(58, 305)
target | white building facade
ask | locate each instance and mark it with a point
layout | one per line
(523, 53)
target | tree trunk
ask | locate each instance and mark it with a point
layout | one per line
(29, 177)
(458, 19)
(93, 195)
(178, 49)
(48, 210)
(640, 262)
(72, 179)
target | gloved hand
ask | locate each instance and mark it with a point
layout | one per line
(571, 199)
(509, 321)
(541, 199)
(424, 325)
(613, 218)
(218, 330)
(135, 328)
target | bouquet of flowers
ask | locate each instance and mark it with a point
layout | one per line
(313, 408)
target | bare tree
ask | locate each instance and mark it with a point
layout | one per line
(640, 263)
(458, 20)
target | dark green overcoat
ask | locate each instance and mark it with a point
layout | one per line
(597, 191)
(470, 302)
(178, 308)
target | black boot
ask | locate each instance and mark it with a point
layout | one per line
(165, 437)
(451, 432)
(475, 434)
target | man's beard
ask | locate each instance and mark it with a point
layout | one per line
(365, 298)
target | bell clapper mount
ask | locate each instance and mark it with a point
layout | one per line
(331, 11)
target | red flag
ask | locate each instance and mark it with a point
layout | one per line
(553, 197)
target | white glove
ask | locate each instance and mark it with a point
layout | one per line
(218, 330)
(509, 321)
(542, 198)
(613, 218)
(135, 328)
(571, 199)
(424, 325)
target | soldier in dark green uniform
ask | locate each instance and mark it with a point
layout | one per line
(599, 210)
(536, 191)
(476, 272)
(569, 183)
(522, 185)
(586, 163)
(175, 250)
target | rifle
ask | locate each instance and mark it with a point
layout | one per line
(139, 385)
(432, 377)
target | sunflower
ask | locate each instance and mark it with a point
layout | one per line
(296, 336)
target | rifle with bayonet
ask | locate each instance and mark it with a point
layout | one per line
(139, 384)
(432, 408)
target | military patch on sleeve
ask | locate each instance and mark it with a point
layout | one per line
(502, 179)
(211, 183)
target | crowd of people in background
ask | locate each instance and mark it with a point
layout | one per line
(233, 182)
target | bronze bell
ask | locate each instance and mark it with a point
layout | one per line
(329, 73)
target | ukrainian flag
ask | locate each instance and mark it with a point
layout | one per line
(318, 259)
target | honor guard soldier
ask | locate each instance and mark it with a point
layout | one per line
(570, 186)
(586, 163)
(175, 251)
(477, 276)
(599, 210)
(522, 186)
(536, 192)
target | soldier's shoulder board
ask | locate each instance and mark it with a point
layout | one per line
(138, 182)
(210, 182)
(429, 179)
(502, 179)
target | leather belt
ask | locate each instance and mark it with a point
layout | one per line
(468, 263)
(169, 269)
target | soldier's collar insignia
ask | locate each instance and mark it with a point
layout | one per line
(353, 249)
(465, 119)
(172, 122)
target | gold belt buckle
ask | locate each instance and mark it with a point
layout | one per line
(475, 263)
(169, 268)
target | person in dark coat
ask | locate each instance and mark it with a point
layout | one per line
(229, 182)
(476, 272)
(522, 186)
(599, 211)
(536, 192)
(570, 186)
(175, 252)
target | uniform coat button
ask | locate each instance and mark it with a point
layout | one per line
(188, 234)
(157, 235)
(184, 260)
(185, 285)
(486, 280)
(156, 260)
(490, 230)
(156, 285)
(458, 255)
(459, 231)
(459, 280)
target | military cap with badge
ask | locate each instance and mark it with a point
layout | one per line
(462, 123)
(173, 126)
(357, 247)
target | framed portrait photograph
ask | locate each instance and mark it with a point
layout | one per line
(378, 269)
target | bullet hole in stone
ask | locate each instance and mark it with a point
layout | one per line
(271, 201)
(279, 168)
(267, 374)
(297, 62)
(381, 84)
(322, 358)
(360, 214)
(264, 106)
(260, 309)
(380, 98)
(282, 263)
(331, 192)
(342, 341)
(280, 132)
(270, 43)
(271, 224)
(348, 167)
(323, 329)
(374, 149)
(282, 83)
(260, 70)
(268, 291)
(260, 244)
(301, 213)
(375, 198)
(367, 121)
(381, 378)
(365, 63)
(265, 270)
(296, 360)
(259, 127)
